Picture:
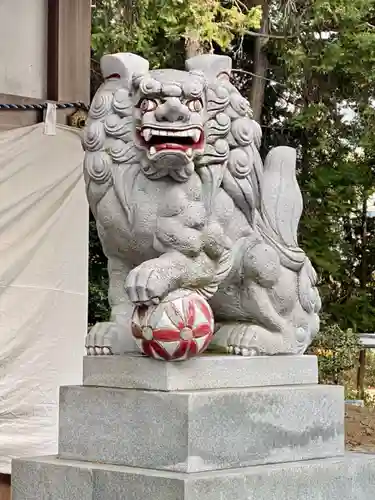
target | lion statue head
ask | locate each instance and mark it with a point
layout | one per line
(172, 122)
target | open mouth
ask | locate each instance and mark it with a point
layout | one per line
(186, 140)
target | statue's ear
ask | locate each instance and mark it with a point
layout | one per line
(212, 66)
(123, 65)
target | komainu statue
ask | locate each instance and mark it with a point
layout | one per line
(182, 199)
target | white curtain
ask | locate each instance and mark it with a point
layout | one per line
(43, 284)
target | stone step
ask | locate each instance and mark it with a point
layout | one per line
(191, 431)
(133, 371)
(351, 477)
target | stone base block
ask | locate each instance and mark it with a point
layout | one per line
(348, 478)
(132, 371)
(202, 430)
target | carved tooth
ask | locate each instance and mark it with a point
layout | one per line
(195, 134)
(189, 152)
(152, 150)
(147, 134)
(185, 133)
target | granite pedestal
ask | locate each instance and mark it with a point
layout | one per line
(343, 478)
(216, 427)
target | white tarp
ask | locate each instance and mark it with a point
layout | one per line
(43, 284)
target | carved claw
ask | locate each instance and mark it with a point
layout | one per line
(147, 283)
(242, 351)
(99, 351)
(103, 340)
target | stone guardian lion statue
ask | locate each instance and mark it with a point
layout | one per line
(182, 200)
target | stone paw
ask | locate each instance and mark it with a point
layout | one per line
(243, 339)
(147, 284)
(103, 340)
(253, 340)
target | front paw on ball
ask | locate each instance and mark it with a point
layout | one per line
(147, 284)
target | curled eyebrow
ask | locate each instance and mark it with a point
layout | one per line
(171, 90)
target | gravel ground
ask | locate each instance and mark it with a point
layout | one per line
(360, 428)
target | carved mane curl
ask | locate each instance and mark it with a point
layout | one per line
(231, 157)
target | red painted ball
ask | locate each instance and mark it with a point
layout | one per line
(181, 326)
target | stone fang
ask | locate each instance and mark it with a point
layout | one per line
(147, 134)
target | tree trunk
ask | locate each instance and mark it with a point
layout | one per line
(364, 268)
(193, 47)
(260, 62)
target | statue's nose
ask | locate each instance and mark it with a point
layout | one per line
(172, 110)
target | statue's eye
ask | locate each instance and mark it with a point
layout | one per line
(147, 105)
(195, 105)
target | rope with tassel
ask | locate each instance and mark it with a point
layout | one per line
(77, 119)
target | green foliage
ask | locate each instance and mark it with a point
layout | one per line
(326, 67)
(350, 393)
(370, 368)
(321, 63)
(368, 400)
(98, 309)
(337, 352)
(157, 29)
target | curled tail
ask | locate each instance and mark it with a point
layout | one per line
(281, 199)
(281, 206)
(280, 211)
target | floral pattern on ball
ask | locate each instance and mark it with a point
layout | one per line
(178, 328)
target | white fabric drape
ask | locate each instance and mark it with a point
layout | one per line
(43, 284)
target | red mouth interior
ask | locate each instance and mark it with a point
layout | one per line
(160, 142)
